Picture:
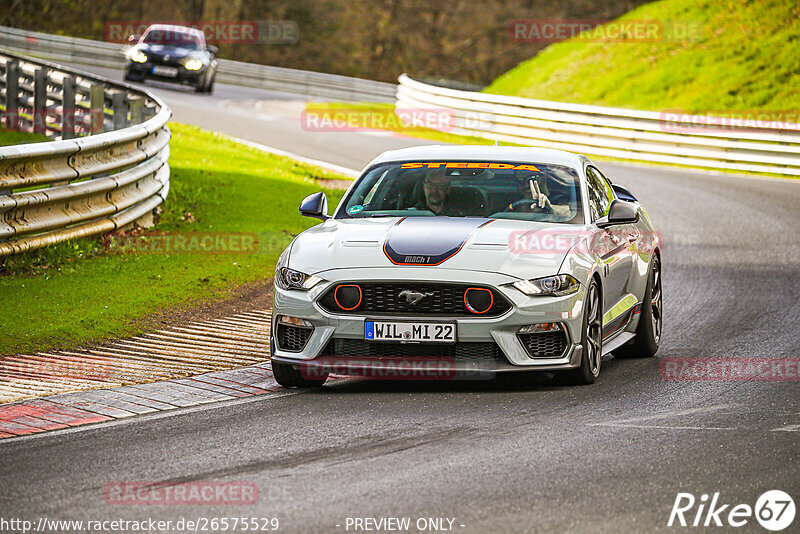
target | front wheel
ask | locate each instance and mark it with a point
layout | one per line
(591, 339)
(289, 377)
(648, 332)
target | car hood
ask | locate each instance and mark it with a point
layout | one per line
(474, 244)
(169, 50)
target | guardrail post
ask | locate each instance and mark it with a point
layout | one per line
(12, 95)
(137, 109)
(3, 259)
(68, 108)
(40, 101)
(97, 104)
(119, 103)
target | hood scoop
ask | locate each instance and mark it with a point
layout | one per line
(427, 241)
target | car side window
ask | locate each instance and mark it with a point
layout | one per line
(600, 193)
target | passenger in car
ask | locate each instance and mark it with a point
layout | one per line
(545, 195)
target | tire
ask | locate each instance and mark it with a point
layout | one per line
(648, 332)
(289, 377)
(210, 87)
(591, 339)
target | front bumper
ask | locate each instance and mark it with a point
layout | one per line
(144, 71)
(501, 330)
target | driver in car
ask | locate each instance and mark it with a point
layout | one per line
(538, 196)
(436, 186)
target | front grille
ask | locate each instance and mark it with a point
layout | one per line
(462, 351)
(544, 344)
(173, 61)
(293, 338)
(383, 298)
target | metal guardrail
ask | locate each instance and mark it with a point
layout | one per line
(300, 82)
(106, 168)
(612, 132)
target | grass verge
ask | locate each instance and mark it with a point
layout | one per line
(13, 137)
(746, 56)
(82, 291)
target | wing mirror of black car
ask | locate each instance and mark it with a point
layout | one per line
(213, 49)
(620, 212)
(133, 39)
(316, 206)
(623, 193)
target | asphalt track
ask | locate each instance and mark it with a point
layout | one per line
(496, 457)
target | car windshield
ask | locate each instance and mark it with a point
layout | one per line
(500, 190)
(174, 37)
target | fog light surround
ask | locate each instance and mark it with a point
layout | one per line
(294, 321)
(541, 328)
(544, 340)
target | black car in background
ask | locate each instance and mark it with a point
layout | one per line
(173, 54)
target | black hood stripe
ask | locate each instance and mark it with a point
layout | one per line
(428, 241)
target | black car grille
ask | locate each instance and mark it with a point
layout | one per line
(157, 59)
(383, 298)
(293, 338)
(544, 344)
(463, 351)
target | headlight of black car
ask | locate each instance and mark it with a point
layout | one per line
(192, 64)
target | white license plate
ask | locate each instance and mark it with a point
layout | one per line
(411, 332)
(158, 70)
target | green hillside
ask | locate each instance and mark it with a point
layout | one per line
(746, 56)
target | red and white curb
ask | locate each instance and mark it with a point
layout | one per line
(98, 405)
(196, 363)
(189, 349)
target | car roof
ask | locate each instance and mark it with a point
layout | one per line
(483, 153)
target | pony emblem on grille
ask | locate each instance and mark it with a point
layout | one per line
(413, 297)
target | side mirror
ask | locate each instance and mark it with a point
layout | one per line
(623, 193)
(133, 39)
(620, 212)
(316, 206)
(213, 49)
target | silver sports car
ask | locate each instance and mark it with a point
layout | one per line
(464, 261)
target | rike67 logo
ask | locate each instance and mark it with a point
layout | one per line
(774, 510)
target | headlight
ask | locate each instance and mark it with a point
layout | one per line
(139, 57)
(554, 286)
(193, 64)
(286, 278)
